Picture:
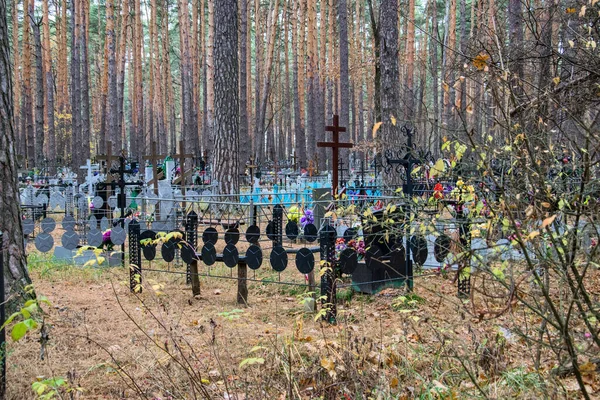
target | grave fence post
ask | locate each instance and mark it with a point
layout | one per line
(135, 256)
(328, 286)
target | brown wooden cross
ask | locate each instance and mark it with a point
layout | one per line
(335, 146)
(109, 158)
(310, 168)
(295, 164)
(154, 158)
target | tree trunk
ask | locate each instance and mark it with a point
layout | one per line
(86, 129)
(344, 72)
(210, 79)
(245, 141)
(51, 149)
(112, 113)
(122, 58)
(409, 101)
(17, 78)
(300, 139)
(27, 131)
(39, 96)
(76, 139)
(390, 75)
(138, 86)
(225, 166)
(16, 276)
(377, 51)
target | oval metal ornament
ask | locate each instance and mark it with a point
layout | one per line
(348, 261)
(254, 257)
(103, 224)
(68, 223)
(94, 238)
(398, 258)
(209, 254)
(441, 247)
(253, 234)
(305, 261)
(118, 235)
(418, 248)
(188, 254)
(230, 255)
(44, 242)
(70, 240)
(310, 233)
(278, 258)
(350, 234)
(97, 202)
(48, 225)
(167, 251)
(28, 226)
(291, 230)
(112, 201)
(232, 236)
(210, 235)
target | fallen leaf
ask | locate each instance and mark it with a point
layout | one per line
(376, 128)
(548, 221)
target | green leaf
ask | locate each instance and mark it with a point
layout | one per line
(9, 320)
(18, 331)
(30, 323)
(252, 361)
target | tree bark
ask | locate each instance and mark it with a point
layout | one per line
(76, 138)
(390, 75)
(210, 79)
(39, 96)
(51, 148)
(245, 140)
(27, 131)
(225, 166)
(86, 129)
(16, 276)
(112, 113)
(17, 78)
(344, 72)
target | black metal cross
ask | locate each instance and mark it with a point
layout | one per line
(122, 197)
(342, 169)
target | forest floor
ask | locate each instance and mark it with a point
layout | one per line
(165, 344)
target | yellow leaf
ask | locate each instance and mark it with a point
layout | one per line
(587, 368)
(327, 364)
(545, 204)
(582, 11)
(376, 128)
(438, 168)
(570, 10)
(533, 234)
(556, 80)
(481, 61)
(548, 221)
(571, 43)
(393, 120)
(394, 383)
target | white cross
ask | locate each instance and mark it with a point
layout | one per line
(90, 167)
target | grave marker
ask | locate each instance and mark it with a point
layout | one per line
(335, 145)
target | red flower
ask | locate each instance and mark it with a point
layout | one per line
(438, 191)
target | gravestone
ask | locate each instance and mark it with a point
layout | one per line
(321, 199)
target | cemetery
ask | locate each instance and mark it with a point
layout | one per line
(303, 199)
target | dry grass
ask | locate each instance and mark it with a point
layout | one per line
(165, 344)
